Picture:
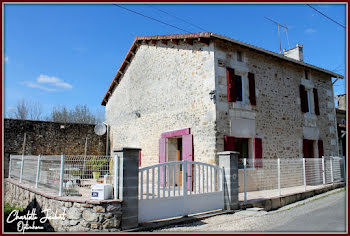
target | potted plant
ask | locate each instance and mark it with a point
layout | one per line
(96, 165)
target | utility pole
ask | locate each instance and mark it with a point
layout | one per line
(279, 34)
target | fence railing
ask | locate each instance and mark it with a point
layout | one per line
(278, 175)
(67, 175)
(179, 178)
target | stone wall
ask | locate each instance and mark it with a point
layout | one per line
(277, 116)
(50, 138)
(168, 86)
(80, 216)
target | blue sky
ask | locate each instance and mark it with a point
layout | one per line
(68, 54)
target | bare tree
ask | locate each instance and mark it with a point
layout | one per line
(79, 114)
(22, 110)
(27, 110)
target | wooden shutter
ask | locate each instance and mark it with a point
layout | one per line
(229, 143)
(252, 97)
(320, 148)
(187, 154)
(317, 108)
(162, 158)
(303, 98)
(257, 152)
(231, 90)
(305, 148)
(140, 158)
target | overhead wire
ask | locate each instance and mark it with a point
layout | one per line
(176, 17)
(326, 16)
(151, 18)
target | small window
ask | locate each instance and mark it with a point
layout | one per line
(238, 85)
(239, 56)
(306, 74)
(307, 101)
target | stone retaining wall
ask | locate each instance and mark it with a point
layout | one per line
(80, 215)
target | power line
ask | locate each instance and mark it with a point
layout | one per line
(176, 17)
(154, 19)
(326, 16)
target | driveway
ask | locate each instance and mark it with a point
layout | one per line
(322, 213)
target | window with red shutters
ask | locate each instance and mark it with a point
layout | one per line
(320, 148)
(252, 97)
(231, 90)
(317, 108)
(258, 153)
(303, 99)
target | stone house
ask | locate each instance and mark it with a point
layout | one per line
(190, 96)
(341, 123)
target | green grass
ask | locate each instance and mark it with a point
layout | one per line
(8, 208)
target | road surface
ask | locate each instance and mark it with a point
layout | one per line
(322, 213)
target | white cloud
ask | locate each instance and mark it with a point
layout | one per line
(310, 31)
(38, 86)
(6, 58)
(54, 81)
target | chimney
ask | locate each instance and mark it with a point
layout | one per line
(295, 53)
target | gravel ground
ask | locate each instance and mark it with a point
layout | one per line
(255, 221)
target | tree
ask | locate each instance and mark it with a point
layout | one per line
(79, 114)
(27, 110)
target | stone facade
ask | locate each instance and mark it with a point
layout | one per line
(166, 87)
(80, 216)
(277, 116)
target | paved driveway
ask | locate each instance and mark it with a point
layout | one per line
(322, 213)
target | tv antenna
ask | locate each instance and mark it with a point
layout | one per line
(279, 34)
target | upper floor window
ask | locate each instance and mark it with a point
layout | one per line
(236, 87)
(239, 56)
(239, 88)
(306, 74)
(307, 100)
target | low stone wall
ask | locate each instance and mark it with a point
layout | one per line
(81, 215)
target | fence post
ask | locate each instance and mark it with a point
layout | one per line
(245, 179)
(10, 166)
(228, 161)
(116, 177)
(61, 176)
(20, 176)
(323, 171)
(304, 174)
(279, 176)
(37, 172)
(129, 185)
(184, 178)
(332, 176)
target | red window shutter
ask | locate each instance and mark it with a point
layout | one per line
(320, 148)
(140, 158)
(252, 97)
(231, 90)
(229, 143)
(258, 152)
(303, 98)
(305, 148)
(317, 108)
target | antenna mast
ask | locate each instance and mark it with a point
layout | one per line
(278, 27)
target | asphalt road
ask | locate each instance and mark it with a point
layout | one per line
(322, 213)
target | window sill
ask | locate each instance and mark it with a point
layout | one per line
(242, 106)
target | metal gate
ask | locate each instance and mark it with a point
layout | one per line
(179, 188)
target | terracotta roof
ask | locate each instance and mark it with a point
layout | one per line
(197, 36)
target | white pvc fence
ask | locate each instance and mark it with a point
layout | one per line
(70, 175)
(279, 176)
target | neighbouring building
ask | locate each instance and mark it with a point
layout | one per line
(50, 138)
(190, 96)
(341, 123)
